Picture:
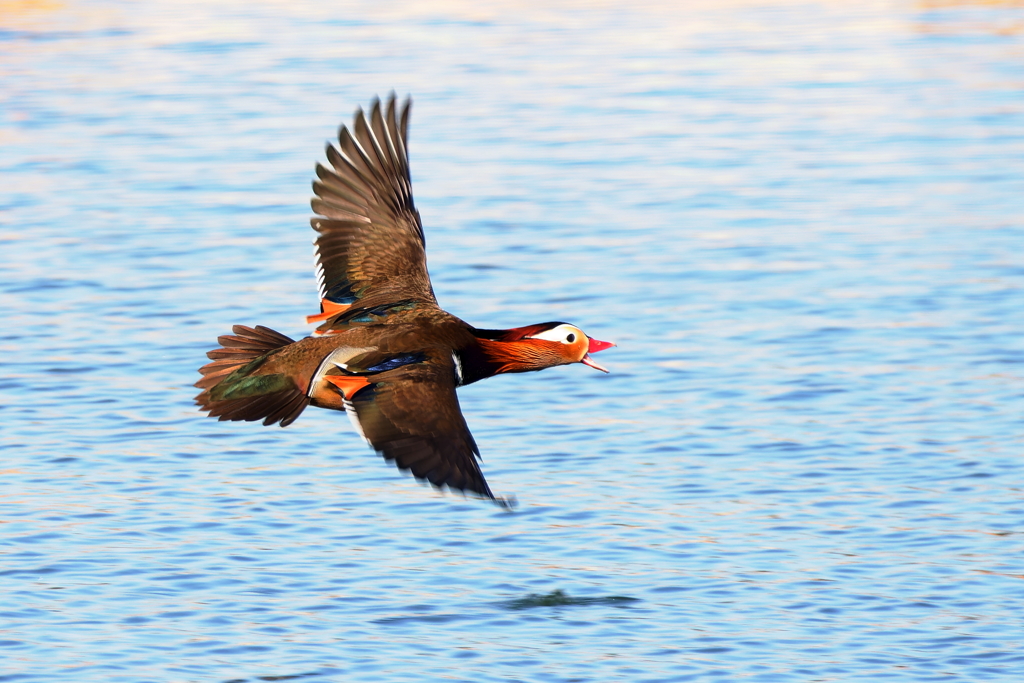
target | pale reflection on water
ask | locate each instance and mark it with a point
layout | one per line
(800, 221)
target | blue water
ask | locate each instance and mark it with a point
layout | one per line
(802, 222)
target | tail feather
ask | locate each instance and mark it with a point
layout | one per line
(249, 339)
(288, 410)
(214, 372)
(235, 409)
(231, 392)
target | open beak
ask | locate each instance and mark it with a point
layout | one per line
(595, 346)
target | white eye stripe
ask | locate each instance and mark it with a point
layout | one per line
(561, 333)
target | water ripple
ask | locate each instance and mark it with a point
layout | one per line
(800, 223)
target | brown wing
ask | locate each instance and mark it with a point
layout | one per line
(369, 247)
(411, 415)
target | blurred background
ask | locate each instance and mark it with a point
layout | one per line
(801, 221)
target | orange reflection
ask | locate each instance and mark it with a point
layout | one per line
(939, 4)
(21, 9)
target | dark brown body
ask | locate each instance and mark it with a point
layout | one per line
(385, 352)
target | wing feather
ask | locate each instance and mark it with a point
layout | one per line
(369, 245)
(385, 150)
(411, 416)
(396, 143)
(371, 150)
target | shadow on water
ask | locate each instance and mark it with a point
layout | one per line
(282, 677)
(559, 598)
(556, 598)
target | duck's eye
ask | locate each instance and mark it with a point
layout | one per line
(571, 338)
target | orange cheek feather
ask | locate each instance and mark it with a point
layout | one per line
(579, 349)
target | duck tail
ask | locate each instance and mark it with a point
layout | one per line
(232, 388)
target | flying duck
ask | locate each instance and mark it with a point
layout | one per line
(384, 351)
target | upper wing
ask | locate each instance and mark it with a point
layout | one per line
(369, 247)
(411, 415)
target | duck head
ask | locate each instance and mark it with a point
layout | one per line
(536, 347)
(568, 344)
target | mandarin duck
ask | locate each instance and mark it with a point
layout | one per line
(384, 352)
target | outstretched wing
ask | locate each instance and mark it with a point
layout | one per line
(411, 415)
(369, 245)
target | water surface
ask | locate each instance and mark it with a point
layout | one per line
(802, 223)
